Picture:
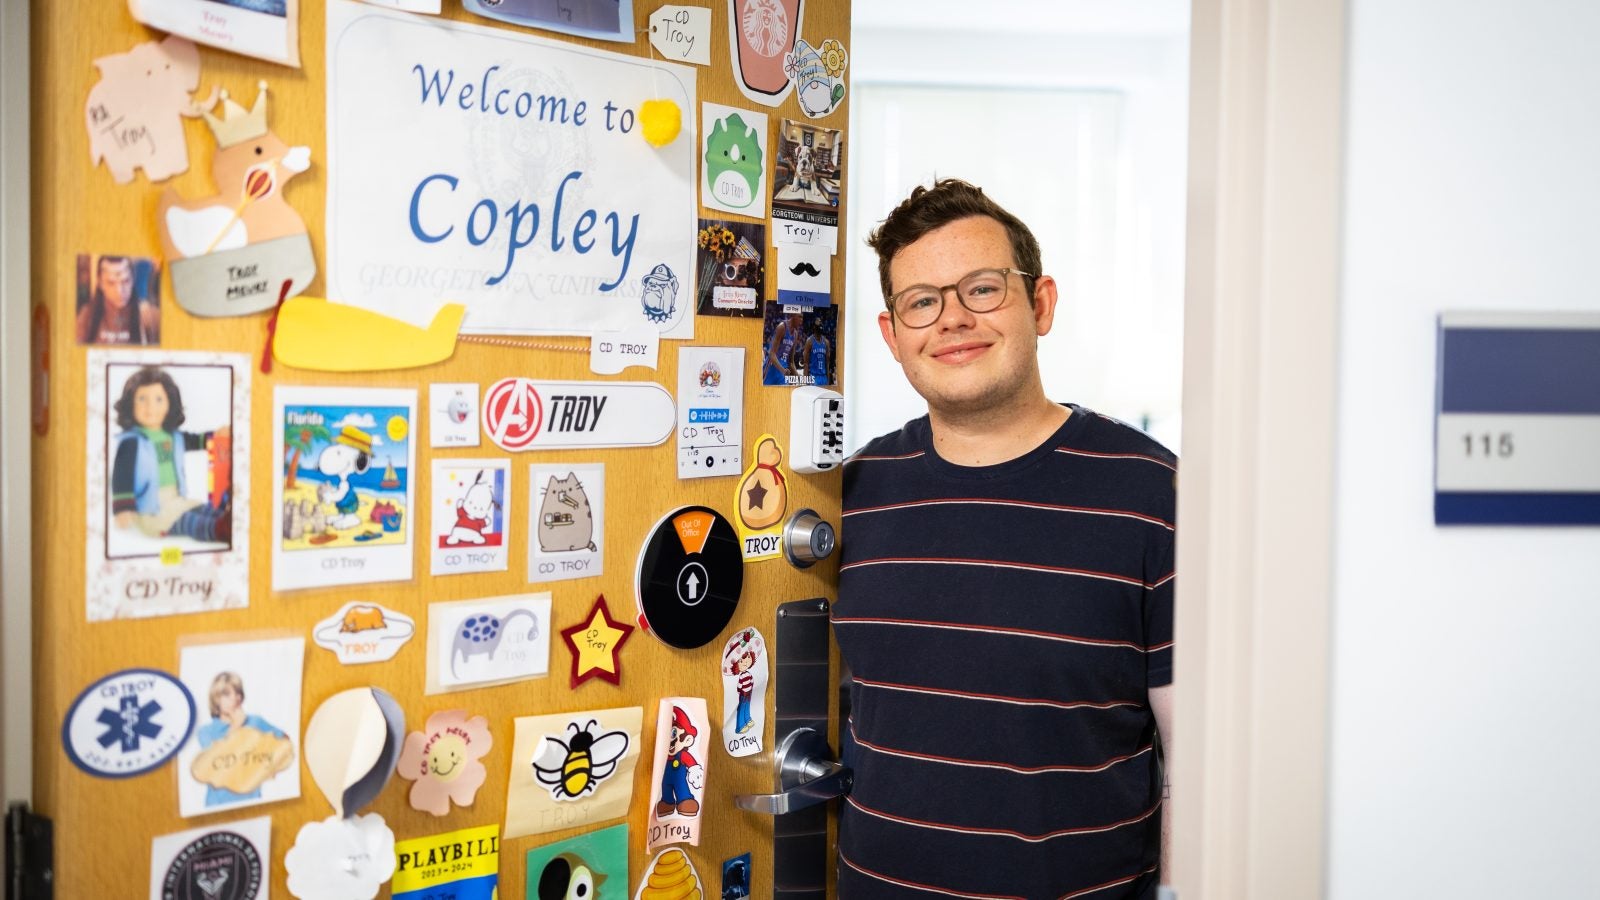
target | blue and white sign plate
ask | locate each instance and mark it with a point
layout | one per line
(1517, 419)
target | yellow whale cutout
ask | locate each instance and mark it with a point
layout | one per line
(313, 333)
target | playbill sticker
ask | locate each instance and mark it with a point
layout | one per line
(710, 411)
(586, 227)
(246, 750)
(453, 415)
(572, 769)
(496, 640)
(342, 492)
(471, 515)
(566, 521)
(167, 495)
(733, 160)
(364, 633)
(227, 861)
(459, 865)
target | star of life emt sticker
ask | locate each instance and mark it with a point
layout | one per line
(128, 723)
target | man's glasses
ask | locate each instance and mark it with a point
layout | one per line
(982, 291)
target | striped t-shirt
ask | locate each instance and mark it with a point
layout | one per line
(1003, 625)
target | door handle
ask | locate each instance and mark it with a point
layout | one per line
(807, 775)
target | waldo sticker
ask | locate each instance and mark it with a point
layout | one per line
(364, 633)
(128, 723)
(733, 173)
(744, 692)
(471, 511)
(762, 497)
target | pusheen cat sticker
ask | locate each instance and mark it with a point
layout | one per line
(566, 521)
(471, 514)
(495, 640)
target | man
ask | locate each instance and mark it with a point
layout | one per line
(1005, 595)
(113, 314)
(816, 356)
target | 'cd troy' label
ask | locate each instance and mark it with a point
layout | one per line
(128, 723)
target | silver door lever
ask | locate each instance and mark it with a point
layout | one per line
(807, 773)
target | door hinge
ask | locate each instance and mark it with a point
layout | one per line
(30, 855)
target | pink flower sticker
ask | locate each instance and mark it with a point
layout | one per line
(444, 761)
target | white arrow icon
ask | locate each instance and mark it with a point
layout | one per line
(694, 586)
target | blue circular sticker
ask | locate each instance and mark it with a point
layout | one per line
(128, 723)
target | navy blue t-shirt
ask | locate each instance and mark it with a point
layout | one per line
(1003, 625)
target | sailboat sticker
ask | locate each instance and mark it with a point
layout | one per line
(391, 479)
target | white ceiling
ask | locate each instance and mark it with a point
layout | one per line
(1121, 17)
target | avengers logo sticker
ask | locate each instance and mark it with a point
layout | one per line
(128, 723)
(524, 414)
(217, 865)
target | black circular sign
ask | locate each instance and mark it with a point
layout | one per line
(220, 865)
(689, 578)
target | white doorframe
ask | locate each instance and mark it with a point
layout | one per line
(1255, 509)
(16, 495)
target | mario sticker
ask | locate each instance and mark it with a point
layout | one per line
(679, 772)
(744, 692)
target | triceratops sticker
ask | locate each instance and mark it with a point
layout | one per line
(733, 174)
(243, 249)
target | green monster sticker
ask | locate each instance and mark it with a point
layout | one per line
(733, 162)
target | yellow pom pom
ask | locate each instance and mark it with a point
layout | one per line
(661, 120)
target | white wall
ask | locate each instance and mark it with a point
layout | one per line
(1118, 339)
(1466, 706)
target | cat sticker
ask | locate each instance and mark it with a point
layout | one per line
(495, 640)
(471, 513)
(566, 521)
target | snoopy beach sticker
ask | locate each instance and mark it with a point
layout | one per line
(342, 488)
(470, 513)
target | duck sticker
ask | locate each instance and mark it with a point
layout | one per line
(569, 770)
(679, 772)
(734, 177)
(589, 865)
(444, 761)
(343, 496)
(471, 515)
(243, 249)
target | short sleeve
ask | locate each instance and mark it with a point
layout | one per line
(1159, 574)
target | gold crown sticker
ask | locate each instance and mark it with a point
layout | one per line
(238, 125)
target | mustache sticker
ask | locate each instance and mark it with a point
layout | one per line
(804, 268)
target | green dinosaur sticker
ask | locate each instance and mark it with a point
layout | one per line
(734, 170)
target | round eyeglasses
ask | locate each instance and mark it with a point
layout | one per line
(982, 291)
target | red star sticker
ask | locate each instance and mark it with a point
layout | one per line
(594, 643)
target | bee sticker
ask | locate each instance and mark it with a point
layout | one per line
(572, 769)
(579, 764)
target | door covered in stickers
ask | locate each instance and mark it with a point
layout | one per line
(438, 384)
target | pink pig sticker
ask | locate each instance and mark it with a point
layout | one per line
(135, 113)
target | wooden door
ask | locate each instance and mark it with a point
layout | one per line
(104, 826)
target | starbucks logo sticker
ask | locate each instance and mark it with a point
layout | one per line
(128, 723)
(219, 865)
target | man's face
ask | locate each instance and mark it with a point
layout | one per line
(966, 361)
(116, 283)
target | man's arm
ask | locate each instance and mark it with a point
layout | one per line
(1161, 705)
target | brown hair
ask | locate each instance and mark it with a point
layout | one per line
(225, 680)
(145, 377)
(948, 200)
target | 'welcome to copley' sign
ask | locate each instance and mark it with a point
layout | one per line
(507, 172)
